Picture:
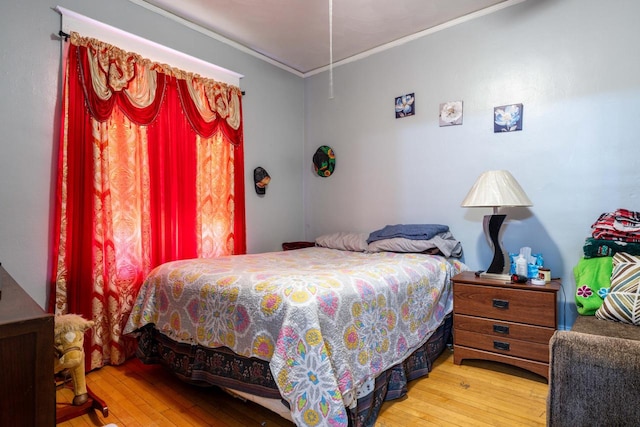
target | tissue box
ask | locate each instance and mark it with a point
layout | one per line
(532, 268)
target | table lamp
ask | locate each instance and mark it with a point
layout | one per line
(496, 189)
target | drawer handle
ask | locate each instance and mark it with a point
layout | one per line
(501, 304)
(499, 345)
(501, 329)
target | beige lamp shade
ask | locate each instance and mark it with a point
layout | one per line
(494, 189)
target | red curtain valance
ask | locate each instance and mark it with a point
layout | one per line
(111, 76)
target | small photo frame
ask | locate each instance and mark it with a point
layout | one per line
(450, 113)
(405, 105)
(507, 118)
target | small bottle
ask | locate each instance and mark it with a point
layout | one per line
(521, 266)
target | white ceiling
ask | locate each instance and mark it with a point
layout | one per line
(295, 33)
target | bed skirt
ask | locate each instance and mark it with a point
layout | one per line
(221, 367)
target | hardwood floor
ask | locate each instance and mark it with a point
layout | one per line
(476, 393)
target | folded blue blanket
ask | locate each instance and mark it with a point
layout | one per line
(408, 231)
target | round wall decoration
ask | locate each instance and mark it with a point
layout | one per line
(324, 161)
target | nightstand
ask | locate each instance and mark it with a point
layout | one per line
(504, 322)
(289, 246)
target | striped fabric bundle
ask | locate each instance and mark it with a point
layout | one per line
(622, 303)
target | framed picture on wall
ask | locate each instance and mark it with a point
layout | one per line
(405, 105)
(507, 118)
(450, 113)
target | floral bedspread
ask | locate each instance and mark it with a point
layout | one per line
(326, 320)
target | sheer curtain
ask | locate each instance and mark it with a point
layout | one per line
(150, 170)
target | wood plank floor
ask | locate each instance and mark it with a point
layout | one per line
(476, 393)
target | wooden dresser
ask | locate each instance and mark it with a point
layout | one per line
(503, 321)
(27, 388)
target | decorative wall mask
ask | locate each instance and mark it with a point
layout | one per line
(261, 179)
(324, 161)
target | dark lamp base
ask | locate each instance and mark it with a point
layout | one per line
(500, 264)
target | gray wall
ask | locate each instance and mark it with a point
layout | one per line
(29, 66)
(572, 63)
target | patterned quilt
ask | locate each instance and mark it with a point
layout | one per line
(328, 321)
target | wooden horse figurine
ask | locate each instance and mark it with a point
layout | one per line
(69, 352)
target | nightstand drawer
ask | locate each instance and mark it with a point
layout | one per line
(503, 330)
(519, 305)
(502, 345)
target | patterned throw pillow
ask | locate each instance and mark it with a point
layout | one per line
(622, 304)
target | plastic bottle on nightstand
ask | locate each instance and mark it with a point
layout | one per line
(521, 266)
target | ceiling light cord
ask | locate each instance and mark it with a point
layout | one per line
(330, 49)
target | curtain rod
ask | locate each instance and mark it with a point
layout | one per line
(88, 27)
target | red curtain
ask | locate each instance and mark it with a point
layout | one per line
(150, 170)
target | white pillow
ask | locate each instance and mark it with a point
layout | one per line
(356, 242)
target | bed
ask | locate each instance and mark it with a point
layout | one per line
(320, 335)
